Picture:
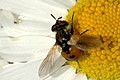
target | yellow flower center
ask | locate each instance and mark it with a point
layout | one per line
(102, 18)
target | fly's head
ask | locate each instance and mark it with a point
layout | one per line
(59, 25)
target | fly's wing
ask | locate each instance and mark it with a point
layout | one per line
(48, 66)
(73, 40)
(88, 42)
(85, 42)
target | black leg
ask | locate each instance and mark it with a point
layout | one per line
(84, 32)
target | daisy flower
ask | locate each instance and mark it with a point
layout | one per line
(26, 36)
(101, 17)
(25, 21)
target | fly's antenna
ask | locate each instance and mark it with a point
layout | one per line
(55, 18)
(59, 17)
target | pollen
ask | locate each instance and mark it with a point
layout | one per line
(102, 18)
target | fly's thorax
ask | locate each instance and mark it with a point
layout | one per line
(63, 36)
(74, 54)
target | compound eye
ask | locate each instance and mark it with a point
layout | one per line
(55, 28)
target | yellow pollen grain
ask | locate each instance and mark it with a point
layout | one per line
(102, 18)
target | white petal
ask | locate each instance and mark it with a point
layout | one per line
(3, 63)
(28, 28)
(67, 73)
(33, 8)
(21, 42)
(79, 76)
(24, 48)
(27, 71)
(6, 18)
(65, 4)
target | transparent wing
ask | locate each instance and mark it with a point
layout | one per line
(85, 42)
(88, 42)
(49, 64)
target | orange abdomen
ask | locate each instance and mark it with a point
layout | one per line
(74, 54)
